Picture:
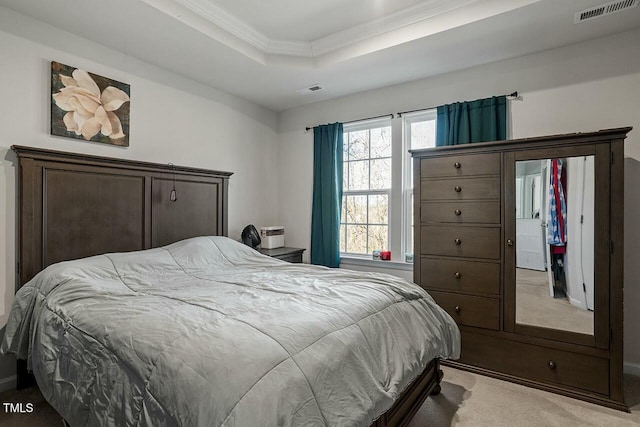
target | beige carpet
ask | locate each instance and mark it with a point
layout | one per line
(534, 305)
(467, 400)
(470, 400)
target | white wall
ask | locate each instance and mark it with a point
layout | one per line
(584, 87)
(173, 119)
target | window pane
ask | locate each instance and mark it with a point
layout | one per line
(343, 229)
(379, 209)
(356, 239)
(359, 145)
(423, 134)
(345, 175)
(411, 209)
(411, 241)
(359, 175)
(356, 209)
(380, 174)
(381, 142)
(378, 237)
(343, 210)
(345, 147)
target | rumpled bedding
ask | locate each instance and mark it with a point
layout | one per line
(208, 332)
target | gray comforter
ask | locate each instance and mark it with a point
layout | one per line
(208, 332)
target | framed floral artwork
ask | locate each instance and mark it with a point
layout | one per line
(88, 106)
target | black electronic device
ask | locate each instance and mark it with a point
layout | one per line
(250, 236)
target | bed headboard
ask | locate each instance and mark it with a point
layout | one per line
(74, 205)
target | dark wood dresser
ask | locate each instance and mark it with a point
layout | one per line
(482, 252)
(293, 255)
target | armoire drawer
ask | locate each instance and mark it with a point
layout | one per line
(487, 188)
(536, 363)
(474, 277)
(469, 242)
(467, 165)
(470, 310)
(461, 212)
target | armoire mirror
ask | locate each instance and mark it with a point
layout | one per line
(557, 244)
(554, 207)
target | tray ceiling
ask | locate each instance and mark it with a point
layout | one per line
(266, 51)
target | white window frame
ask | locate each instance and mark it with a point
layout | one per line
(365, 125)
(400, 206)
(407, 189)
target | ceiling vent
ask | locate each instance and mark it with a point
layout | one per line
(310, 89)
(604, 9)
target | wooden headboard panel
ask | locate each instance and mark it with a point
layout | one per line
(73, 206)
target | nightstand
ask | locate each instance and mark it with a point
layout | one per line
(285, 254)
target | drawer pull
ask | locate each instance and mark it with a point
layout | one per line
(458, 212)
(457, 165)
(458, 310)
(551, 364)
(457, 188)
(457, 275)
(458, 242)
(509, 242)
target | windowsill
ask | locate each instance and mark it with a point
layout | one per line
(393, 265)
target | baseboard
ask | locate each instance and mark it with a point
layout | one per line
(632, 369)
(8, 383)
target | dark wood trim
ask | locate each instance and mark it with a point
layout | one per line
(509, 252)
(556, 334)
(616, 265)
(412, 397)
(87, 159)
(602, 136)
(601, 253)
(542, 342)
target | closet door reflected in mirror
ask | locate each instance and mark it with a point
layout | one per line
(555, 220)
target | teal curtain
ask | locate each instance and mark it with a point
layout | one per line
(472, 121)
(327, 195)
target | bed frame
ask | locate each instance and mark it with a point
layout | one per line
(74, 205)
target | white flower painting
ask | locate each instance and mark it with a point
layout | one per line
(87, 106)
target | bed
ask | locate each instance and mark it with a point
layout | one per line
(180, 330)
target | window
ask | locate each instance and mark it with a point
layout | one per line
(366, 187)
(377, 197)
(419, 132)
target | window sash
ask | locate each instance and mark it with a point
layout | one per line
(367, 223)
(407, 171)
(357, 127)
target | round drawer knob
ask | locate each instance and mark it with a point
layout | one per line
(457, 275)
(457, 165)
(551, 364)
(458, 309)
(457, 188)
(458, 212)
(458, 242)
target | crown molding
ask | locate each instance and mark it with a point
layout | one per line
(385, 24)
(222, 19)
(215, 14)
(290, 47)
(228, 22)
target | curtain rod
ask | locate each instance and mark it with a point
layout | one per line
(361, 120)
(511, 95)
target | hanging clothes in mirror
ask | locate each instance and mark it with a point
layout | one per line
(557, 229)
